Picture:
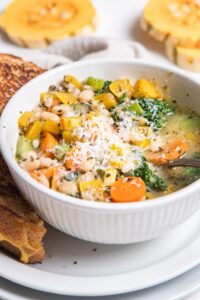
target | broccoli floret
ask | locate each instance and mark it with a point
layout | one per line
(157, 183)
(152, 180)
(155, 111)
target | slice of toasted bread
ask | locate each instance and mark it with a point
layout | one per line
(21, 229)
(14, 73)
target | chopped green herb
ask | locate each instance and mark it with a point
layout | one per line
(155, 111)
(122, 99)
(152, 180)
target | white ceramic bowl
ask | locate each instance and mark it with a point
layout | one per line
(109, 223)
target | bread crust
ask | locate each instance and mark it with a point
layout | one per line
(14, 73)
(21, 229)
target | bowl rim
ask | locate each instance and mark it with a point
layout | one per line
(78, 202)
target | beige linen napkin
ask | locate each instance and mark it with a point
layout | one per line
(76, 48)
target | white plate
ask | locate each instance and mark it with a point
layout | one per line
(75, 267)
(175, 289)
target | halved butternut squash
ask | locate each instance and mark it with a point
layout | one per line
(37, 23)
(173, 18)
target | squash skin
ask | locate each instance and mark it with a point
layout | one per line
(186, 58)
(16, 21)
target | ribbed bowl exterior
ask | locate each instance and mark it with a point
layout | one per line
(100, 222)
(110, 227)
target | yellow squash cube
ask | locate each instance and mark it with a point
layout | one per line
(45, 96)
(25, 118)
(121, 87)
(34, 130)
(70, 123)
(108, 100)
(116, 164)
(110, 177)
(92, 190)
(145, 88)
(74, 81)
(65, 98)
(51, 126)
(67, 135)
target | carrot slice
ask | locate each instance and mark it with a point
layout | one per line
(48, 142)
(48, 172)
(179, 146)
(69, 160)
(128, 189)
(175, 149)
(55, 180)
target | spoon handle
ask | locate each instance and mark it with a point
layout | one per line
(183, 162)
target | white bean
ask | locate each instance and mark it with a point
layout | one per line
(70, 87)
(68, 188)
(86, 95)
(45, 115)
(37, 111)
(48, 101)
(156, 144)
(30, 165)
(87, 165)
(60, 109)
(76, 92)
(46, 162)
(87, 87)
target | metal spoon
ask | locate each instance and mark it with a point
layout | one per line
(184, 162)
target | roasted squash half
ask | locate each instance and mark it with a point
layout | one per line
(177, 18)
(186, 58)
(177, 24)
(37, 23)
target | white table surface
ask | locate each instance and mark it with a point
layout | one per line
(119, 18)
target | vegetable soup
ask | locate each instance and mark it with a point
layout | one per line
(108, 141)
